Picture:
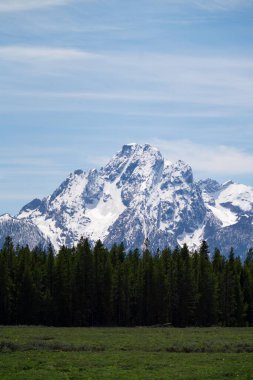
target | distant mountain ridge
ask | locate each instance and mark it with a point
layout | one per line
(139, 195)
(22, 232)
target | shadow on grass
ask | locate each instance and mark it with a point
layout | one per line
(8, 346)
(47, 345)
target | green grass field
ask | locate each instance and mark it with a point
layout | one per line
(125, 353)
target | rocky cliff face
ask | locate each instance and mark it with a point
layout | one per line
(139, 195)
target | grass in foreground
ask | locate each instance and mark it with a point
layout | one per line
(34, 353)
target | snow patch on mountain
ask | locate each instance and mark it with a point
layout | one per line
(107, 211)
(237, 195)
(193, 240)
(228, 201)
(224, 215)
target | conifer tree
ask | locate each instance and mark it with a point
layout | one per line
(174, 281)
(166, 280)
(218, 264)
(119, 285)
(134, 288)
(187, 289)
(26, 292)
(50, 291)
(248, 286)
(207, 288)
(5, 290)
(82, 284)
(159, 290)
(63, 284)
(147, 288)
(102, 285)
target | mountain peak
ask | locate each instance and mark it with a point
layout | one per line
(135, 147)
(129, 158)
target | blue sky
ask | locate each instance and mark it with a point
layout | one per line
(79, 78)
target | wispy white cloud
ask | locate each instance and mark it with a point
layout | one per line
(212, 5)
(34, 162)
(221, 4)
(21, 161)
(23, 5)
(14, 196)
(68, 27)
(98, 161)
(30, 53)
(208, 160)
(213, 81)
(35, 173)
(122, 96)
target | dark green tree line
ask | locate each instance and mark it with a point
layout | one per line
(96, 286)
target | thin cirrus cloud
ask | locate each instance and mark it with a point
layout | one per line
(98, 161)
(23, 5)
(30, 53)
(215, 5)
(187, 68)
(159, 78)
(224, 4)
(208, 160)
(12, 196)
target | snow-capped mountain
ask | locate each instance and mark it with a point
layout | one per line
(139, 195)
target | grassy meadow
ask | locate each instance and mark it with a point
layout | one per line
(36, 353)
